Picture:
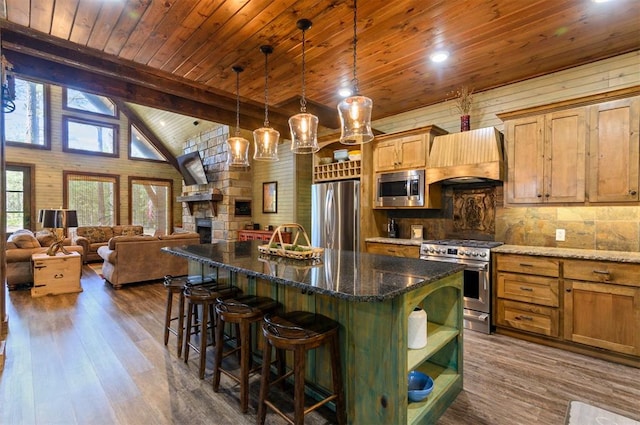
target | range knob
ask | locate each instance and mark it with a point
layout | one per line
(431, 250)
(442, 251)
(461, 252)
(474, 253)
(483, 254)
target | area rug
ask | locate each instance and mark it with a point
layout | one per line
(579, 413)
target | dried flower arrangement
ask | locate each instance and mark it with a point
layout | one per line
(463, 100)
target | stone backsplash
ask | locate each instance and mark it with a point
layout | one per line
(615, 228)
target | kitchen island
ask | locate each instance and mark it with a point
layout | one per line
(371, 296)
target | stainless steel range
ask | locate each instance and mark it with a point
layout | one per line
(476, 256)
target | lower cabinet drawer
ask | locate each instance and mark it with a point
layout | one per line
(530, 289)
(394, 250)
(528, 317)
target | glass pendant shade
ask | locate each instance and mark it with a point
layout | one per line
(304, 133)
(266, 141)
(237, 151)
(355, 120)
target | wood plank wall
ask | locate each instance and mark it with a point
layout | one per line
(49, 165)
(598, 77)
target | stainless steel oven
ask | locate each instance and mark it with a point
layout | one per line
(476, 257)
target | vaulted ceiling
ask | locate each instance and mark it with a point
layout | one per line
(177, 54)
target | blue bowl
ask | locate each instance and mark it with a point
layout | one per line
(420, 385)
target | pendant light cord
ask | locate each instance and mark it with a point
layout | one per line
(266, 89)
(354, 82)
(303, 99)
(237, 71)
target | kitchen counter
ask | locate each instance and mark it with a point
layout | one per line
(355, 276)
(396, 241)
(371, 296)
(575, 253)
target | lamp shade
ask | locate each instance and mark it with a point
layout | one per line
(59, 219)
(355, 120)
(238, 151)
(266, 141)
(304, 130)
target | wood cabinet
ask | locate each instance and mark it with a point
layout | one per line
(394, 250)
(546, 157)
(614, 161)
(56, 274)
(401, 153)
(602, 305)
(528, 294)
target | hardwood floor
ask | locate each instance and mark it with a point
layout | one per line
(98, 358)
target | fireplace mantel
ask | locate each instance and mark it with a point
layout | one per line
(212, 198)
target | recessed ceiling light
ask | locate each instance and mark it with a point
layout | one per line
(600, 1)
(439, 56)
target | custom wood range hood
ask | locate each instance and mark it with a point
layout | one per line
(467, 157)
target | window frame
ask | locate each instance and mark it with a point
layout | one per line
(46, 110)
(116, 112)
(169, 184)
(65, 135)
(29, 192)
(66, 174)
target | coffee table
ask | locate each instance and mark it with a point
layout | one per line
(56, 274)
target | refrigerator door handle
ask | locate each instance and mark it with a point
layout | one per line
(329, 225)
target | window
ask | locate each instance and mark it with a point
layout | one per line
(26, 125)
(151, 204)
(141, 148)
(87, 102)
(89, 136)
(94, 197)
(18, 198)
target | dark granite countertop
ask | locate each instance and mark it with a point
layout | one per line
(355, 276)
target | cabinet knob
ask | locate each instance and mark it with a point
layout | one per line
(632, 192)
(539, 195)
(568, 289)
(546, 195)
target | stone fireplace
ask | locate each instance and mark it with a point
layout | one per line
(217, 218)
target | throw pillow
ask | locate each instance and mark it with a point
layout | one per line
(45, 237)
(95, 234)
(24, 240)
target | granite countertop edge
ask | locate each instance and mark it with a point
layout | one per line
(395, 241)
(315, 289)
(575, 253)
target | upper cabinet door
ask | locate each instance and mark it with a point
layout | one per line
(403, 153)
(614, 132)
(525, 159)
(564, 156)
(385, 156)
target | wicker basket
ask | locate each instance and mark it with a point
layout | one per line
(290, 250)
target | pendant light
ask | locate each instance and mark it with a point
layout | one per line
(304, 126)
(266, 138)
(237, 147)
(355, 110)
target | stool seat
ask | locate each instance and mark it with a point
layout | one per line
(206, 296)
(300, 331)
(243, 311)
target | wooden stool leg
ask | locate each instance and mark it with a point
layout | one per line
(180, 323)
(218, 356)
(298, 390)
(190, 308)
(167, 316)
(203, 340)
(336, 371)
(264, 383)
(245, 364)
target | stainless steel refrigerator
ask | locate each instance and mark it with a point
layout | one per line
(335, 215)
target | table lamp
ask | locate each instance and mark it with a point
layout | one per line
(55, 220)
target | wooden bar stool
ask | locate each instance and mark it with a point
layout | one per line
(205, 297)
(242, 311)
(300, 331)
(176, 285)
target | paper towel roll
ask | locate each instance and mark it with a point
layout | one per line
(417, 329)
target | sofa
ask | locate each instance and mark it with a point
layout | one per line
(20, 246)
(131, 259)
(90, 238)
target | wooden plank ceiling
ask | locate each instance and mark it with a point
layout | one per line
(186, 48)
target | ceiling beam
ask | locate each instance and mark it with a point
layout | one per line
(40, 56)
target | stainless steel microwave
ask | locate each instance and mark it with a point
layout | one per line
(400, 189)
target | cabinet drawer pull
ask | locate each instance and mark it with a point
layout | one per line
(529, 318)
(391, 250)
(607, 272)
(525, 288)
(526, 265)
(58, 276)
